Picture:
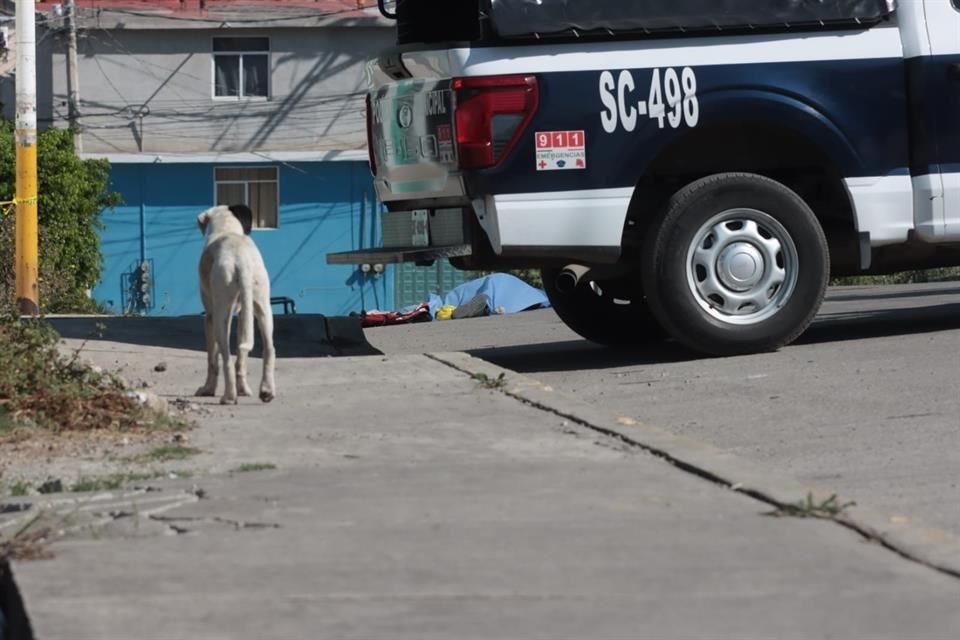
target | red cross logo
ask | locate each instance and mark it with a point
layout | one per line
(543, 164)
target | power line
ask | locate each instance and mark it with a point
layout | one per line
(182, 118)
(305, 109)
(222, 20)
(163, 76)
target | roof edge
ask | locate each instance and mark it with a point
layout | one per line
(244, 157)
(130, 19)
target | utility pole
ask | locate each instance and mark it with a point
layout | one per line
(27, 236)
(73, 72)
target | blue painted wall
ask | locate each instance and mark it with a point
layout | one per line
(322, 210)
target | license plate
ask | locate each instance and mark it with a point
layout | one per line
(414, 125)
(419, 228)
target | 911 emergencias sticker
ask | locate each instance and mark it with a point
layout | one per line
(560, 150)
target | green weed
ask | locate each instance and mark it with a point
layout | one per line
(490, 383)
(810, 508)
(253, 466)
(164, 453)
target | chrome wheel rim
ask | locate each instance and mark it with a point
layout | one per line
(742, 266)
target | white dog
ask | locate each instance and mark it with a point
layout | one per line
(233, 275)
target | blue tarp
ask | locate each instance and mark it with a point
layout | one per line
(507, 294)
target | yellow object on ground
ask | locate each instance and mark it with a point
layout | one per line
(444, 312)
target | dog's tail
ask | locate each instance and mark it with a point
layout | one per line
(245, 324)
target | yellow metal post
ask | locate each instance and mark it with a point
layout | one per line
(27, 265)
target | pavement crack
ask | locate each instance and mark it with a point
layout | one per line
(910, 416)
(114, 515)
(240, 524)
(236, 524)
(844, 520)
(177, 518)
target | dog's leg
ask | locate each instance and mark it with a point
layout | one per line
(244, 339)
(209, 387)
(265, 321)
(222, 328)
(243, 387)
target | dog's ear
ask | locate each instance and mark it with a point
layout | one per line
(243, 213)
(202, 222)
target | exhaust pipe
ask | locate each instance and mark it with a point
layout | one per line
(569, 277)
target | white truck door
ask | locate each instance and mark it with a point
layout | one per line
(943, 93)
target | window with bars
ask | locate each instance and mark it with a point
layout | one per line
(256, 187)
(241, 68)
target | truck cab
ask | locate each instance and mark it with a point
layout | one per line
(673, 170)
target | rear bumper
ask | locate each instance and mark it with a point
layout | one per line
(418, 235)
(396, 254)
(586, 225)
(449, 186)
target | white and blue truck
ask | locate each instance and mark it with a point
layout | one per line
(697, 169)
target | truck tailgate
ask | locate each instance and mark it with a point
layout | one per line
(411, 138)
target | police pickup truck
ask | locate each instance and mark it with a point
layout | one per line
(697, 169)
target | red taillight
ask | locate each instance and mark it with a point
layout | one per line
(372, 157)
(491, 114)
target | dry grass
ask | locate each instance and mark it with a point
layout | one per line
(28, 542)
(41, 390)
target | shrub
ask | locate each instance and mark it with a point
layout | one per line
(942, 274)
(41, 388)
(72, 194)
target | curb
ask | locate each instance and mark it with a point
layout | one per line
(935, 548)
(294, 335)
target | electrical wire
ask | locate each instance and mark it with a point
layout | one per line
(149, 68)
(182, 118)
(223, 20)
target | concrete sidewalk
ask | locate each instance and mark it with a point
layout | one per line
(401, 498)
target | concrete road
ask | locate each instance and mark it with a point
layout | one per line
(866, 403)
(411, 498)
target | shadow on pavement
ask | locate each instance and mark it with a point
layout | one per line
(294, 336)
(837, 295)
(574, 355)
(862, 325)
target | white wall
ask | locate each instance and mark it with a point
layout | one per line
(152, 91)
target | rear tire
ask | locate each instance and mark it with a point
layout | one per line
(737, 263)
(608, 312)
